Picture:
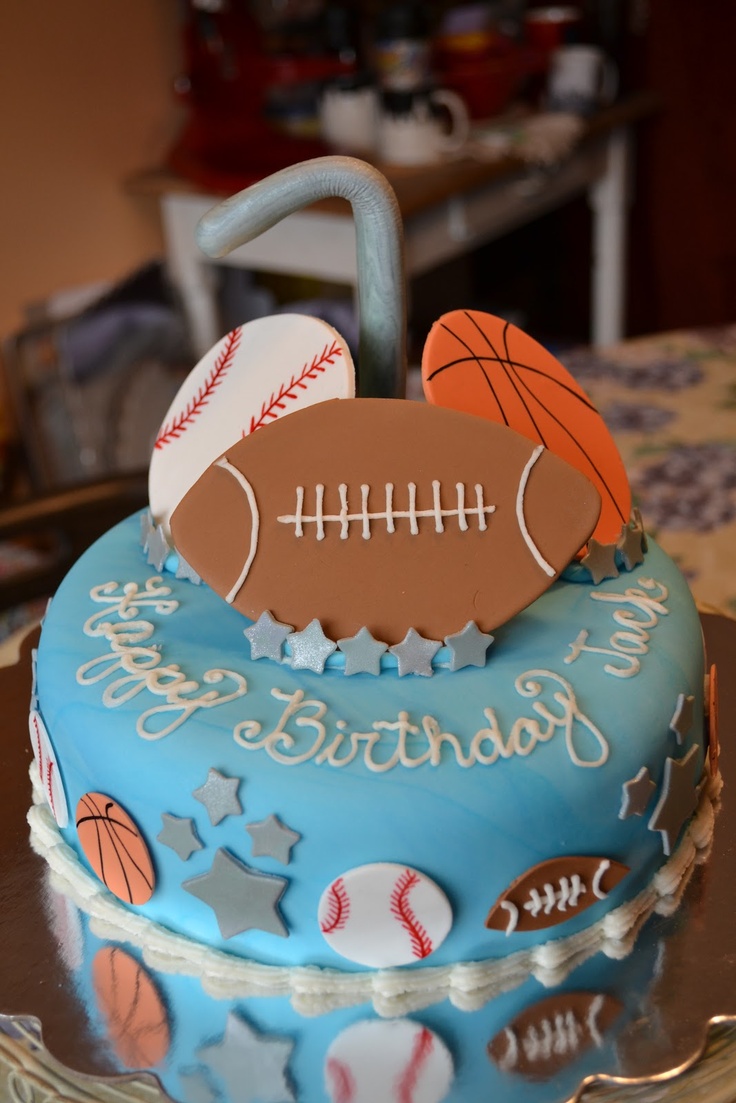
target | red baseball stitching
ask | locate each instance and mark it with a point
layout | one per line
(421, 1050)
(338, 908)
(49, 768)
(343, 1082)
(194, 407)
(421, 943)
(270, 410)
(39, 756)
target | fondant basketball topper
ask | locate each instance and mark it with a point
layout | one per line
(114, 847)
(130, 1003)
(383, 915)
(399, 1061)
(384, 514)
(255, 374)
(554, 891)
(484, 365)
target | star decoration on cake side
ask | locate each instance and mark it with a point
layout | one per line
(272, 839)
(266, 637)
(415, 654)
(241, 898)
(600, 560)
(469, 647)
(157, 549)
(362, 653)
(630, 546)
(678, 798)
(183, 570)
(180, 835)
(253, 1066)
(219, 795)
(636, 794)
(682, 719)
(310, 648)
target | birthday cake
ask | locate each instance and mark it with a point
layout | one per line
(381, 700)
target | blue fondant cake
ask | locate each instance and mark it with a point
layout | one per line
(386, 837)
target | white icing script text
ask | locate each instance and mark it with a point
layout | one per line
(631, 640)
(301, 736)
(134, 668)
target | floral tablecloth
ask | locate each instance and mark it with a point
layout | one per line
(670, 402)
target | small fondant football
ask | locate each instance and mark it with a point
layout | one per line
(386, 514)
(554, 891)
(551, 1033)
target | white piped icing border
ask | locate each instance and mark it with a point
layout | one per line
(315, 991)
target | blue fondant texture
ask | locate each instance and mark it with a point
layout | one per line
(580, 733)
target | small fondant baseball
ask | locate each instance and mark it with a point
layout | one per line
(384, 914)
(399, 1061)
(48, 768)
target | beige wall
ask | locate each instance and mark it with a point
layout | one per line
(85, 100)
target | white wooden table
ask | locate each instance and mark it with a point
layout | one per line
(448, 210)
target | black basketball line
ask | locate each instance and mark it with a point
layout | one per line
(128, 854)
(582, 450)
(477, 361)
(514, 364)
(506, 367)
(95, 819)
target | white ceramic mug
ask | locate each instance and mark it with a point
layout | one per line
(349, 118)
(415, 135)
(581, 79)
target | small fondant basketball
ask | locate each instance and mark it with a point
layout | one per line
(137, 1022)
(386, 514)
(554, 891)
(115, 848)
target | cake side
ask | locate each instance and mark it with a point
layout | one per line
(557, 747)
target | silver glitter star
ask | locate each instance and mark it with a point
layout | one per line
(266, 637)
(183, 570)
(147, 528)
(630, 545)
(157, 549)
(638, 524)
(252, 1066)
(682, 720)
(180, 834)
(219, 795)
(600, 560)
(677, 799)
(310, 648)
(468, 647)
(272, 839)
(362, 653)
(415, 654)
(241, 898)
(636, 794)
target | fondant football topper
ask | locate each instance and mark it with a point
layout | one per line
(253, 376)
(384, 514)
(484, 365)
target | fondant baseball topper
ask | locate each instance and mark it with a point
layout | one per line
(484, 365)
(384, 514)
(384, 915)
(253, 376)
